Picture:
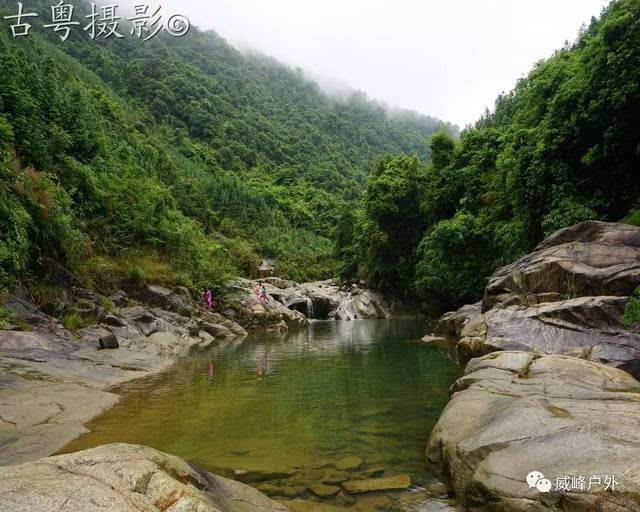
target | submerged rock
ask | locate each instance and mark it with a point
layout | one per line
(373, 503)
(515, 412)
(349, 463)
(335, 477)
(312, 506)
(259, 475)
(324, 491)
(124, 478)
(378, 484)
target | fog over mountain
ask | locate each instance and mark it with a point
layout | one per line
(447, 59)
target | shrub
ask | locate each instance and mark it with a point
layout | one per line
(73, 321)
(632, 310)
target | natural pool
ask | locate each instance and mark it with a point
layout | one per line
(294, 404)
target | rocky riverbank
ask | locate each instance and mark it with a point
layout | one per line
(54, 379)
(548, 384)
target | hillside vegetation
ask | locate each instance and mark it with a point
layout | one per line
(563, 146)
(177, 160)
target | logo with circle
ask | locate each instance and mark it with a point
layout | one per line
(537, 480)
(178, 25)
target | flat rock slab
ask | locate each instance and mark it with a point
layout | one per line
(514, 412)
(387, 483)
(312, 506)
(40, 417)
(349, 463)
(335, 477)
(324, 491)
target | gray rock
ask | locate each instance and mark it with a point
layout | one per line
(587, 327)
(26, 311)
(126, 478)
(349, 463)
(514, 412)
(451, 324)
(113, 320)
(567, 297)
(324, 491)
(217, 330)
(157, 295)
(386, 483)
(109, 341)
(588, 259)
(366, 304)
(120, 299)
(40, 415)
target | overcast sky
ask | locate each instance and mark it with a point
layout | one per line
(447, 58)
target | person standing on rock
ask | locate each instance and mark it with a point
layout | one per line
(263, 295)
(208, 299)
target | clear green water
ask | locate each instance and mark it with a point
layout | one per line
(295, 403)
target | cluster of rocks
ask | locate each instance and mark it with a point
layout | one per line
(548, 384)
(292, 304)
(351, 483)
(54, 379)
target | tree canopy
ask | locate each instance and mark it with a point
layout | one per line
(563, 146)
(178, 159)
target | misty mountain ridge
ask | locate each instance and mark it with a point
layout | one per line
(177, 159)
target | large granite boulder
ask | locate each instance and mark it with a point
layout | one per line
(295, 303)
(567, 297)
(363, 304)
(123, 478)
(251, 313)
(452, 323)
(512, 413)
(588, 259)
(587, 327)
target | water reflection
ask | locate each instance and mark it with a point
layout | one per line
(270, 403)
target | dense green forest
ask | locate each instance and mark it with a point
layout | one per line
(176, 160)
(563, 146)
(183, 160)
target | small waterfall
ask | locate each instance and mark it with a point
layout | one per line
(310, 309)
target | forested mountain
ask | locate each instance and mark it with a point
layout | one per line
(179, 160)
(563, 146)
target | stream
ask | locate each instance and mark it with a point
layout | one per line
(283, 411)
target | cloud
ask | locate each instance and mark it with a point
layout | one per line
(448, 59)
